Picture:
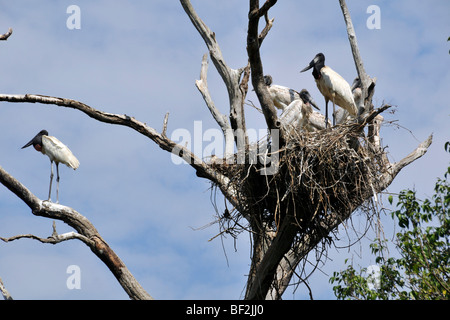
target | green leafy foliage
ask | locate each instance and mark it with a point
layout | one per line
(423, 269)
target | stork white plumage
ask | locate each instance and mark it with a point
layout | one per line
(315, 120)
(299, 115)
(332, 86)
(282, 96)
(342, 115)
(57, 152)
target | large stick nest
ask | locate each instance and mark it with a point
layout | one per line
(320, 174)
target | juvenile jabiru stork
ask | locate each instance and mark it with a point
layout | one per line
(282, 96)
(57, 152)
(314, 120)
(297, 115)
(307, 99)
(332, 86)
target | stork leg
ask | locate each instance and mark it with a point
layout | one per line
(334, 114)
(326, 113)
(57, 182)
(51, 180)
(333, 95)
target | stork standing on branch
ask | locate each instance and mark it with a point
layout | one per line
(332, 86)
(57, 152)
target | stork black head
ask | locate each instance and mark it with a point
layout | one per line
(37, 140)
(317, 63)
(306, 98)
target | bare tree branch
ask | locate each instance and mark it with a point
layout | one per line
(165, 122)
(257, 72)
(124, 120)
(365, 80)
(229, 76)
(203, 170)
(53, 239)
(267, 27)
(4, 292)
(257, 12)
(395, 168)
(367, 84)
(6, 35)
(354, 44)
(222, 120)
(86, 232)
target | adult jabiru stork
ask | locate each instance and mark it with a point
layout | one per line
(332, 86)
(282, 96)
(57, 152)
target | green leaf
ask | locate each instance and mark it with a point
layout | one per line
(390, 199)
(423, 244)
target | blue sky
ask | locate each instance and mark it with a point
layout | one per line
(142, 58)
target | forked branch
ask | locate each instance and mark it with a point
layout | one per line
(55, 238)
(221, 119)
(229, 76)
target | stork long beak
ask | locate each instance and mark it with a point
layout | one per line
(36, 139)
(28, 144)
(311, 64)
(306, 98)
(313, 103)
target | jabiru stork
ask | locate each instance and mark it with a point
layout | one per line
(314, 120)
(342, 115)
(57, 152)
(281, 96)
(307, 99)
(332, 86)
(297, 115)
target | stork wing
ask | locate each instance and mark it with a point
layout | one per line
(343, 93)
(59, 152)
(282, 96)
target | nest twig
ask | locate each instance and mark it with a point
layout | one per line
(320, 174)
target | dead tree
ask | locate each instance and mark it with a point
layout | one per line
(290, 192)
